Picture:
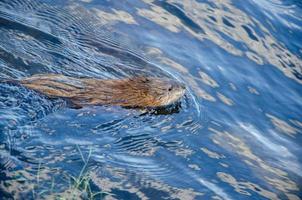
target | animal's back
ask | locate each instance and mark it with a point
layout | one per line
(129, 92)
(54, 85)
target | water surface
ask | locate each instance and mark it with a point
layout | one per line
(236, 135)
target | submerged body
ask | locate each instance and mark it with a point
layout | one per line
(128, 92)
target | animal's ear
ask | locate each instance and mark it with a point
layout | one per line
(145, 79)
(141, 78)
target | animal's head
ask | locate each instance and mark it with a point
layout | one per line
(156, 92)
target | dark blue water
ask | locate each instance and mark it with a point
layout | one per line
(236, 135)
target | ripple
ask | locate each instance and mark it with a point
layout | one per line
(147, 166)
(180, 14)
(214, 48)
(111, 126)
(142, 144)
(38, 34)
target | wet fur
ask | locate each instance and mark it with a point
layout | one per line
(129, 92)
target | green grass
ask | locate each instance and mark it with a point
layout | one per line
(79, 187)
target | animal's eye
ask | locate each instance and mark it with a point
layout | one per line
(170, 88)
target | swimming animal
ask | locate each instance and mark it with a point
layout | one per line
(137, 91)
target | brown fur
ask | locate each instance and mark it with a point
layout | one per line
(129, 92)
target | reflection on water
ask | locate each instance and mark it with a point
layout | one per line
(235, 135)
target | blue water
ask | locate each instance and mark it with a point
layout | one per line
(236, 135)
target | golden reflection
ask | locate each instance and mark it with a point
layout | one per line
(253, 90)
(194, 166)
(254, 57)
(157, 54)
(212, 154)
(165, 129)
(223, 17)
(122, 183)
(206, 79)
(224, 165)
(225, 99)
(274, 176)
(31, 182)
(282, 125)
(161, 17)
(292, 197)
(242, 186)
(198, 90)
(283, 185)
(183, 152)
(116, 16)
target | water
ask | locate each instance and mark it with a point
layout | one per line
(237, 134)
